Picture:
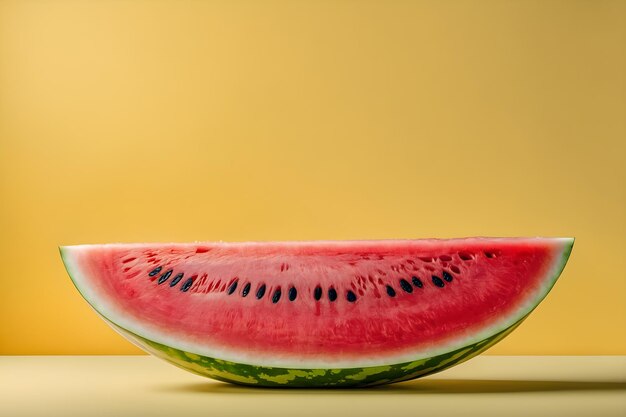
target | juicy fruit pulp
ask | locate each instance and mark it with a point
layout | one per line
(317, 313)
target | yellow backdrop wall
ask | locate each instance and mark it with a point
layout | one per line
(275, 120)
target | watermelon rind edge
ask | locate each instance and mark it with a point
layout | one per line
(265, 376)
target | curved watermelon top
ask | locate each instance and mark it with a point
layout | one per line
(325, 304)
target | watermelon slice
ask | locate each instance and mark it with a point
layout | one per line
(327, 313)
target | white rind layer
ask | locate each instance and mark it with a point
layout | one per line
(108, 309)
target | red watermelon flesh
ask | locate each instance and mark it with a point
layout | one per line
(318, 304)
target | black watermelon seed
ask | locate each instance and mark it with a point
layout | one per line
(232, 287)
(293, 293)
(276, 296)
(332, 294)
(155, 271)
(438, 281)
(185, 287)
(406, 286)
(447, 276)
(246, 290)
(317, 293)
(176, 279)
(417, 282)
(260, 292)
(351, 296)
(164, 277)
(390, 291)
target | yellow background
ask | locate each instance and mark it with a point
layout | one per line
(266, 120)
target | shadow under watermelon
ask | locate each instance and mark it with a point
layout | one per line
(433, 386)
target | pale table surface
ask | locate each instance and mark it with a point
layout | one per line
(126, 386)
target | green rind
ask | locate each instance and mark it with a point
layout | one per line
(567, 251)
(264, 376)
